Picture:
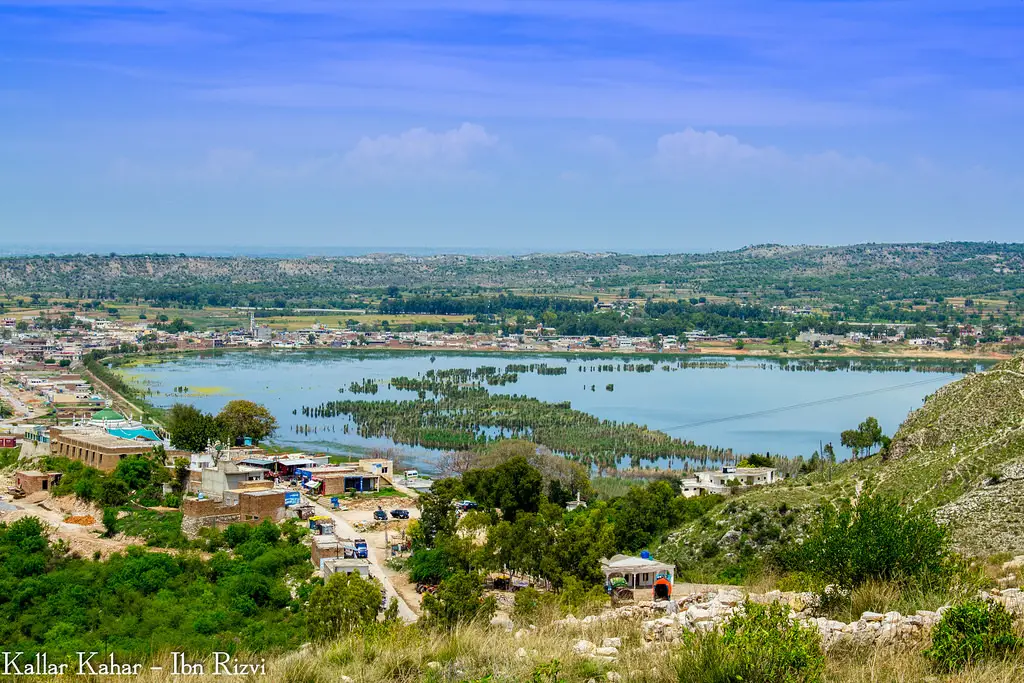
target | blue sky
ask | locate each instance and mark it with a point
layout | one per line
(510, 124)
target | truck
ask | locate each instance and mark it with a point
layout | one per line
(361, 550)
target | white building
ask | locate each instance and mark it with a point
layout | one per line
(704, 483)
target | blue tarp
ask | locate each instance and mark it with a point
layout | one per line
(134, 433)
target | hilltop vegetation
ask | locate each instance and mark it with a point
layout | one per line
(767, 272)
(141, 603)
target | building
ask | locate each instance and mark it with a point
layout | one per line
(231, 476)
(703, 483)
(369, 474)
(237, 506)
(345, 565)
(33, 481)
(107, 419)
(639, 572)
(94, 447)
(328, 547)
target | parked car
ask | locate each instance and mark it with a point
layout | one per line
(400, 514)
(361, 550)
(380, 515)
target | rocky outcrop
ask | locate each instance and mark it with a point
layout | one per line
(667, 622)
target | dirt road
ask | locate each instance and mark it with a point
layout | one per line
(376, 557)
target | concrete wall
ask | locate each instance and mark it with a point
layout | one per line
(249, 509)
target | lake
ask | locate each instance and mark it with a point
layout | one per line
(751, 405)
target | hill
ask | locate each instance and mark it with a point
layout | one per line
(763, 272)
(961, 455)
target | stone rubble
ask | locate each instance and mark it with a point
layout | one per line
(708, 611)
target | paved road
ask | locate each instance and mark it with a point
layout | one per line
(344, 530)
(20, 409)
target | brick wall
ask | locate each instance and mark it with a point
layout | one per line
(262, 506)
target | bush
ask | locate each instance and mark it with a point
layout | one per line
(345, 602)
(757, 645)
(971, 632)
(459, 600)
(580, 599)
(530, 604)
(878, 539)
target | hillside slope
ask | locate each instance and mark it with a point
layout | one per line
(961, 454)
(953, 269)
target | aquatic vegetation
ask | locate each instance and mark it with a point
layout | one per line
(469, 417)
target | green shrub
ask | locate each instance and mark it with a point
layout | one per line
(581, 599)
(971, 632)
(879, 539)
(757, 645)
(345, 602)
(459, 600)
(531, 603)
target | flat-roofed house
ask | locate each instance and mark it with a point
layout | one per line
(703, 483)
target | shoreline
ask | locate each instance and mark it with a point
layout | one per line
(695, 353)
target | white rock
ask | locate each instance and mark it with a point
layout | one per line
(697, 614)
(611, 642)
(871, 616)
(434, 665)
(606, 652)
(613, 677)
(730, 597)
(583, 647)
(502, 621)
(521, 653)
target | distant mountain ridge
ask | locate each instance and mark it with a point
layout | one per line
(963, 268)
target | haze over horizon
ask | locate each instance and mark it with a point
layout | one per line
(590, 125)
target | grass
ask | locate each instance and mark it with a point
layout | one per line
(386, 492)
(614, 487)
(159, 529)
(406, 654)
(9, 457)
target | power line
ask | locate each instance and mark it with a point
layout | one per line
(808, 404)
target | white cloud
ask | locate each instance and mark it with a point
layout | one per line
(702, 150)
(419, 150)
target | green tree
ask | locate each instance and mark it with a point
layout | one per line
(867, 435)
(190, 428)
(110, 522)
(181, 475)
(241, 419)
(113, 492)
(135, 471)
(437, 512)
(345, 602)
(459, 600)
(514, 486)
